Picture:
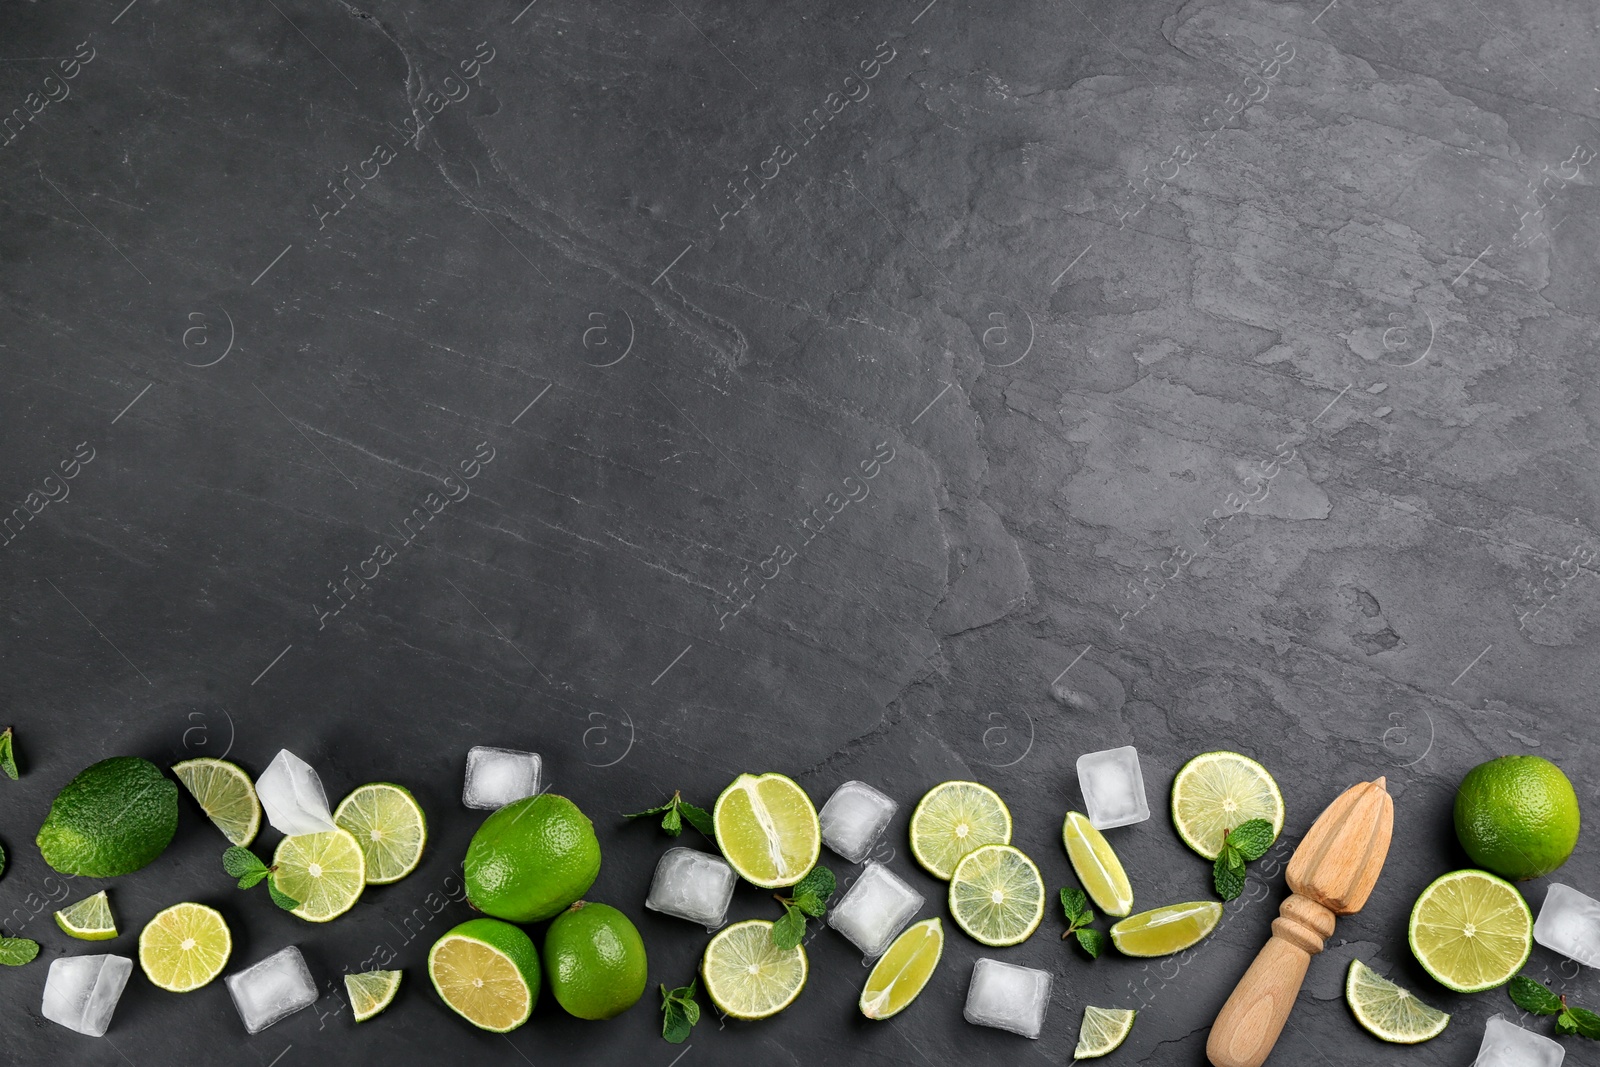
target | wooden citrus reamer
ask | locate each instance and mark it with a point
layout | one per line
(1332, 873)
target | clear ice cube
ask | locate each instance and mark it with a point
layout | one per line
(81, 992)
(874, 909)
(273, 989)
(497, 776)
(854, 818)
(1505, 1044)
(292, 797)
(1113, 787)
(1569, 923)
(1008, 997)
(692, 885)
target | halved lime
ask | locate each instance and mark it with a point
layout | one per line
(226, 794)
(184, 947)
(1162, 931)
(389, 826)
(1387, 1011)
(324, 872)
(370, 992)
(952, 819)
(1102, 1031)
(1216, 791)
(767, 829)
(749, 977)
(1096, 865)
(89, 919)
(487, 971)
(903, 970)
(997, 895)
(1471, 930)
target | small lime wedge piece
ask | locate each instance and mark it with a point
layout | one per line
(226, 794)
(371, 991)
(1102, 1031)
(89, 919)
(1387, 1011)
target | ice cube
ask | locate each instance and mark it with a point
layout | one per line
(273, 989)
(1505, 1044)
(1113, 787)
(1569, 923)
(692, 885)
(497, 776)
(874, 909)
(853, 818)
(292, 798)
(1008, 997)
(81, 992)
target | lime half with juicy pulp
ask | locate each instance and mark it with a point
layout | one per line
(1387, 1011)
(89, 919)
(370, 992)
(767, 829)
(1163, 931)
(1215, 792)
(184, 947)
(903, 970)
(388, 824)
(997, 895)
(749, 977)
(1102, 1031)
(226, 794)
(1471, 930)
(325, 872)
(1096, 865)
(953, 819)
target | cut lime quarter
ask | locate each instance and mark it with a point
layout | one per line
(1387, 1011)
(226, 794)
(89, 919)
(1103, 1030)
(370, 992)
(903, 970)
(388, 824)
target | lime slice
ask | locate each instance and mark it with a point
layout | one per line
(747, 976)
(903, 970)
(388, 825)
(370, 992)
(324, 872)
(1102, 1031)
(1163, 931)
(184, 947)
(1471, 930)
(89, 919)
(952, 819)
(767, 829)
(226, 794)
(487, 971)
(997, 895)
(1216, 791)
(1096, 865)
(1386, 1011)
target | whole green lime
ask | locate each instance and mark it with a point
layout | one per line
(531, 858)
(113, 818)
(596, 961)
(1517, 816)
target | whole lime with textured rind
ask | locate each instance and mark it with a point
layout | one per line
(113, 818)
(1517, 816)
(594, 960)
(531, 859)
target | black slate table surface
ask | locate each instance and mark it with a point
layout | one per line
(874, 392)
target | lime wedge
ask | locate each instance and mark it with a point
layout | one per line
(747, 976)
(324, 872)
(1162, 931)
(1387, 1011)
(487, 971)
(89, 919)
(1102, 1031)
(184, 947)
(1097, 866)
(997, 895)
(388, 824)
(767, 829)
(226, 794)
(903, 970)
(370, 992)
(1216, 791)
(1471, 930)
(952, 819)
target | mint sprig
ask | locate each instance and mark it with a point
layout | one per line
(675, 812)
(8, 754)
(1537, 998)
(15, 951)
(807, 900)
(1075, 903)
(1243, 844)
(679, 1012)
(243, 864)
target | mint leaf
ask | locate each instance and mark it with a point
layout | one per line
(1252, 838)
(1091, 941)
(652, 811)
(240, 862)
(700, 819)
(1530, 995)
(675, 1024)
(249, 879)
(788, 931)
(1228, 880)
(8, 756)
(15, 951)
(1074, 902)
(1566, 1024)
(671, 822)
(1234, 857)
(2, 860)
(1585, 1022)
(279, 897)
(820, 881)
(810, 903)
